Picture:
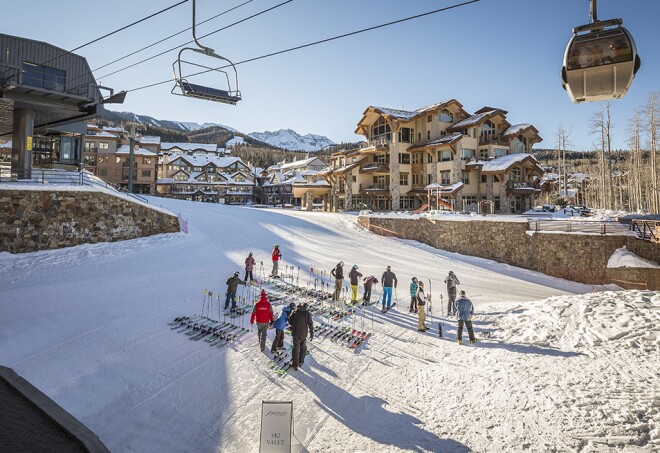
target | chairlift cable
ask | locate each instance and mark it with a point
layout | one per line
(171, 36)
(116, 31)
(203, 36)
(313, 43)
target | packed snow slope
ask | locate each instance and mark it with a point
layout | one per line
(557, 367)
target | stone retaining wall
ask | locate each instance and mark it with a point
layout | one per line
(32, 220)
(578, 257)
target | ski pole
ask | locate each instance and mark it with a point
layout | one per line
(208, 308)
(203, 303)
(217, 296)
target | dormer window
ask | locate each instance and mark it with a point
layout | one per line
(446, 117)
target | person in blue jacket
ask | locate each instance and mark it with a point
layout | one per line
(280, 324)
(464, 312)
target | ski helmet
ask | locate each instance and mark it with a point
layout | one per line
(414, 279)
(451, 272)
(355, 266)
(236, 274)
(341, 263)
(292, 306)
(389, 268)
(250, 254)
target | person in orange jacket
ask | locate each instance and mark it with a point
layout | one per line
(262, 313)
(276, 255)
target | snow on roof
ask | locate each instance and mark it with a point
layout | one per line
(149, 140)
(104, 134)
(504, 162)
(297, 177)
(395, 113)
(300, 163)
(199, 160)
(191, 146)
(624, 258)
(472, 120)
(113, 129)
(125, 149)
(439, 141)
(6, 145)
(516, 128)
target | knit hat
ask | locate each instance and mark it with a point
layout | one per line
(355, 266)
(263, 292)
(389, 268)
(414, 279)
(462, 293)
(236, 274)
(421, 283)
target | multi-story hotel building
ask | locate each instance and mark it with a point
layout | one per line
(440, 155)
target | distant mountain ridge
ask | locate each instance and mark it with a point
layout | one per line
(291, 140)
(286, 139)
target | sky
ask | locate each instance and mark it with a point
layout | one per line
(500, 53)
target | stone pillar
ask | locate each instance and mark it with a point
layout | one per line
(348, 183)
(395, 193)
(21, 146)
(505, 200)
(309, 195)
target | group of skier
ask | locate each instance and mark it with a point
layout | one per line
(298, 318)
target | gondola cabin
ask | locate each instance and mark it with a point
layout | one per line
(600, 62)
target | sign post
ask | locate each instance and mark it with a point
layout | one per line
(276, 426)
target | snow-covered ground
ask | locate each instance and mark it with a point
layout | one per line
(557, 368)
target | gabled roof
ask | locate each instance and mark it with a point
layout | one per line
(446, 140)
(487, 109)
(197, 160)
(125, 149)
(302, 163)
(477, 119)
(504, 163)
(371, 113)
(523, 128)
(189, 146)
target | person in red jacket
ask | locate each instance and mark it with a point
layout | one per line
(277, 256)
(262, 313)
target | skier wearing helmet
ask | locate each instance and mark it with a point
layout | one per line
(413, 295)
(451, 282)
(232, 286)
(354, 276)
(280, 325)
(388, 280)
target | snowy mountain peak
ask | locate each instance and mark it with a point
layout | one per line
(291, 140)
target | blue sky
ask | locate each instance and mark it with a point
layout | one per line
(500, 53)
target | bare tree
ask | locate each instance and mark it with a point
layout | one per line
(652, 115)
(601, 126)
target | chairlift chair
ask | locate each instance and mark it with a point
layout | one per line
(600, 61)
(184, 88)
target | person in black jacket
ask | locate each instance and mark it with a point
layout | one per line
(301, 324)
(232, 286)
(338, 274)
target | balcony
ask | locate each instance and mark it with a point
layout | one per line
(522, 187)
(377, 142)
(493, 140)
(370, 188)
(374, 167)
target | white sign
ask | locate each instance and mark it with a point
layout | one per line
(276, 426)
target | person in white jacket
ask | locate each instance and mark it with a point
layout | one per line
(464, 312)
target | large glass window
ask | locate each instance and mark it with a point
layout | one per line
(406, 135)
(499, 152)
(466, 177)
(403, 179)
(446, 117)
(446, 155)
(41, 76)
(70, 149)
(404, 158)
(381, 130)
(467, 153)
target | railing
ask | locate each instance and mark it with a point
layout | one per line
(375, 166)
(569, 226)
(490, 140)
(65, 178)
(378, 141)
(374, 187)
(646, 229)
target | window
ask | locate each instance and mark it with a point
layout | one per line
(446, 155)
(406, 135)
(497, 203)
(103, 159)
(496, 178)
(446, 117)
(445, 177)
(90, 161)
(146, 160)
(465, 177)
(429, 158)
(470, 199)
(103, 172)
(516, 174)
(429, 179)
(415, 180)
(210, 169)
(499, 152)
(429, 118)
(198, 169)
(43, 77)
(415, 158)
(103, 145)
(404, 158)
(118, 160)
(483, 154)
(354, 178)
(90, 146)
(403, 179)
(428, 135)
(383, 159)
(484, 179)
(467, 153)
(519, 145)
(146, 173)
(381, 130)
(419, 136)
(70, 149)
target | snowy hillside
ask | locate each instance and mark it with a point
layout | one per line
(184, 126)
(557, 368)
(292, 141)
